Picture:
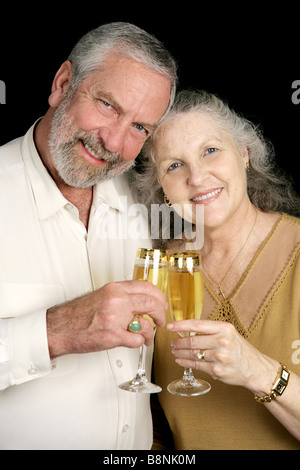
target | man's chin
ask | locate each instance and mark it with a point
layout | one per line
(84, 181)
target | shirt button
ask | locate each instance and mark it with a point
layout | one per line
(125, 428)
(32, 371)
(119, 363)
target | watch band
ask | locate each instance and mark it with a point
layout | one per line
(278, 387)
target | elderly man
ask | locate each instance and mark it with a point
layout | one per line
(63, 287)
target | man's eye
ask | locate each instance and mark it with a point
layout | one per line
(140, 128)
(106, 104)
(106, 108)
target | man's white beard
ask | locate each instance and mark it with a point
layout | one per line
(73, 168)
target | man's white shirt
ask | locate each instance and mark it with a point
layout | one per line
(46, 258)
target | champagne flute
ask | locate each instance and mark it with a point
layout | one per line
(150, 265)
(185, 291)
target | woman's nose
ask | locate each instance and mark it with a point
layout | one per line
(196, 174)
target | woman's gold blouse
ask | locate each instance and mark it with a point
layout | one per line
(265, 309)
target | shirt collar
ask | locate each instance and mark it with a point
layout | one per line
(110, 193)
(48, 197)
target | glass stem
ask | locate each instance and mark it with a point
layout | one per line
(188, 375)
(141, 373)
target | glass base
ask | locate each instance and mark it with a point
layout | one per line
(140, 385)
(187, 388)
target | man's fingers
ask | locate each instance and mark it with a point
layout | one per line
(145, 287)
(143, 304)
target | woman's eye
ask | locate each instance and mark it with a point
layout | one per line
(210, 150)
(174, 166)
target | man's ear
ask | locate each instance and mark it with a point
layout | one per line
(61, 84)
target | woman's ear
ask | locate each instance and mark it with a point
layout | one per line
(245, 155)
(61, 84)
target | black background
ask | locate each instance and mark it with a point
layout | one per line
(247, 56)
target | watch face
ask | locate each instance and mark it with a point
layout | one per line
(279, 388)
(285, 375)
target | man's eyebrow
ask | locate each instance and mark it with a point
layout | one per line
(109, 97)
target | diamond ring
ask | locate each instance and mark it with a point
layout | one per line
(200, 356)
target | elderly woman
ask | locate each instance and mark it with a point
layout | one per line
(248, 339)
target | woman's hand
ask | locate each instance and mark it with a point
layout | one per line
(228, 357)
(233, 360)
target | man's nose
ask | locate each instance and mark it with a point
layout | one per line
(113, 137)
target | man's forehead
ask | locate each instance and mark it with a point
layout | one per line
(122, 81)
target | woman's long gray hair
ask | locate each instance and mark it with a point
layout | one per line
(268, 188)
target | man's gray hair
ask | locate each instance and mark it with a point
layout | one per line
(125, 39)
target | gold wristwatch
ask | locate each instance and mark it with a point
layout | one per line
(278, 386)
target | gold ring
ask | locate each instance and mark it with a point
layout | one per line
(200, 356)
(135, 325)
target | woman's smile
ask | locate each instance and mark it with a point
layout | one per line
(206, 197)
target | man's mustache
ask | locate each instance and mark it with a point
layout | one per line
(95, 146)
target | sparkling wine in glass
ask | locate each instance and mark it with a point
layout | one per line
(150, 265)
(185, 293)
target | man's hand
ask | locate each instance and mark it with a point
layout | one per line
(99, 320)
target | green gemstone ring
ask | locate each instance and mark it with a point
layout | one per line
(135, 325)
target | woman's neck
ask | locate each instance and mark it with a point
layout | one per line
(228, 250)
(227, 238)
